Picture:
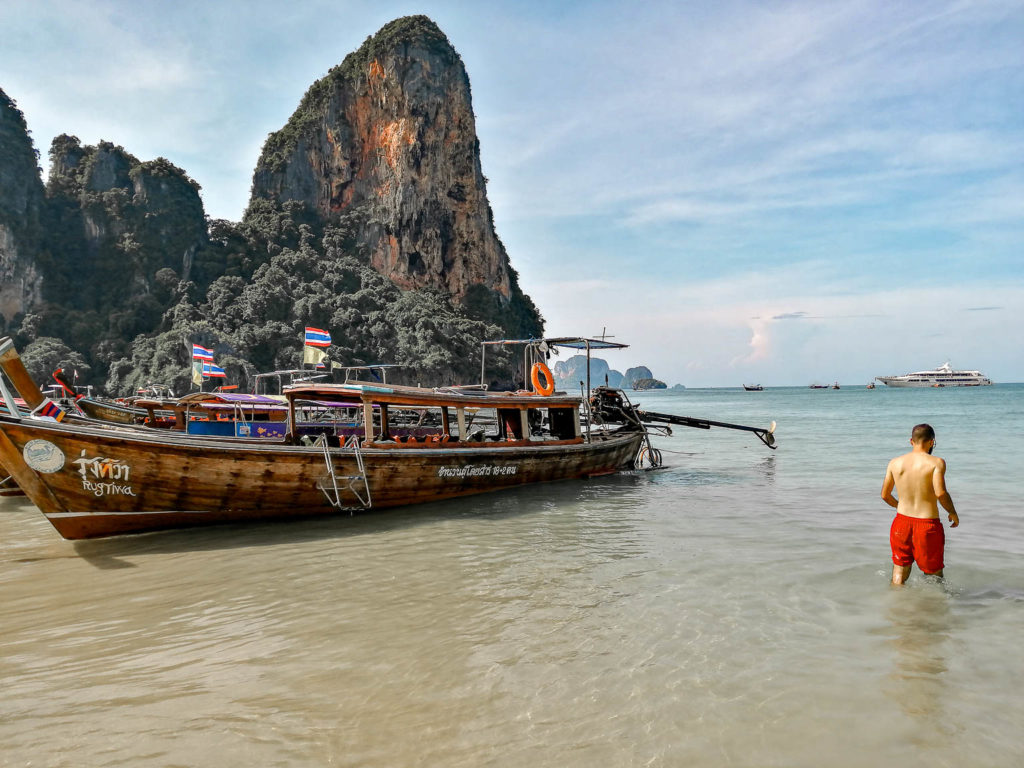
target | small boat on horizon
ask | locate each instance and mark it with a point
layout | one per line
(753, 387)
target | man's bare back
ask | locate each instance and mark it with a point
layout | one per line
(920, 483)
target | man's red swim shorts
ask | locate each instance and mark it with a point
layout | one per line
(920, 540)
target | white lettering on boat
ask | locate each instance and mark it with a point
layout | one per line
(478, 470)
(103, 489)
(98, 474)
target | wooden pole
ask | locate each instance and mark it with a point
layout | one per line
(11, 363)
(368, 421)
(291, 431)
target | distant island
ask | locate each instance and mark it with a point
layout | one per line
(569, 373)
(651, 383)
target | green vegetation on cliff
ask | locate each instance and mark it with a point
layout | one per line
(120, 235)
(256, 325)
(276, 273)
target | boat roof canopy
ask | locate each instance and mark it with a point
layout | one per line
(284, 372)
(419, 397)
(570, 342)
(229, 397)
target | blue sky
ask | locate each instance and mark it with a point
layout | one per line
(772, 192)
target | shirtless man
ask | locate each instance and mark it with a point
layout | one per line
(920, 482)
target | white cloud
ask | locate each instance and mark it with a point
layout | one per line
(724, 332)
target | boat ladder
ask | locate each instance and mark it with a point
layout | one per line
(339, 488)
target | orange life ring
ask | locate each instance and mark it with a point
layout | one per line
(538, 370)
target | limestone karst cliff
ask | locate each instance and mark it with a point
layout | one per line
(391, 132)
(633, 375)
(368, 216)
(21, 205)
(570, 372)
(118, 222)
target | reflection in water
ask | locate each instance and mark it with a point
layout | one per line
(767, 468)
(922, 623)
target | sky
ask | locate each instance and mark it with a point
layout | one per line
(782, 193)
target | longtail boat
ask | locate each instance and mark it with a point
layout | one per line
(111, 410)
(405, 445)
(159, 399)
(93, 480)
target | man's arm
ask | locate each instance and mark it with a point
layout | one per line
(942, 495)
(887, 485)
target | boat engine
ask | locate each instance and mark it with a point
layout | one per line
(612, 406)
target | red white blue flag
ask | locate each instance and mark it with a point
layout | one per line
(50, 410)
(201, 353)
(317, 337)
(211, 371)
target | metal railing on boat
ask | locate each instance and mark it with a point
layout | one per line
(329, 483)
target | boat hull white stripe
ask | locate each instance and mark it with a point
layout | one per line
(53, 515)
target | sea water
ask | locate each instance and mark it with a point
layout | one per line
(732, 609)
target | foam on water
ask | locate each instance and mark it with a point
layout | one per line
(733, 609)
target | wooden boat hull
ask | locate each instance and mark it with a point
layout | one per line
(112, 412)
(94, 481)
(10, 488)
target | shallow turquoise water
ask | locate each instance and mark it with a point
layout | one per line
(732, 609)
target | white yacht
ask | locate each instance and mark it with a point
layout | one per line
(943, 376)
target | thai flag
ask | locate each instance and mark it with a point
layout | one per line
(211, 371)
(316, 337)
(201, 353)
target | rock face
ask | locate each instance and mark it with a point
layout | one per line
(633, 375)
(569, 373)
(117, 222)
(21, 206)
(644, 384)
(390, 133)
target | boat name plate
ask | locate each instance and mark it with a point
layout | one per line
(478, 470)
(43, 456)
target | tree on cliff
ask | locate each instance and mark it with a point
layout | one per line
(45, 355)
